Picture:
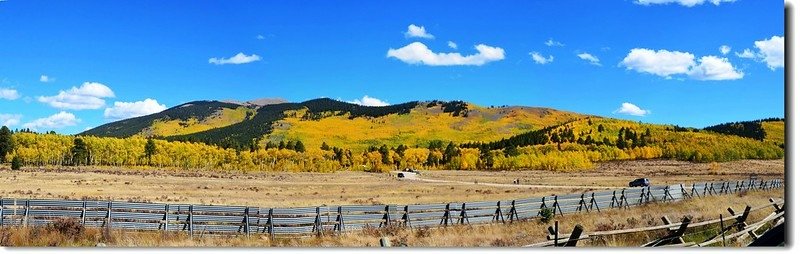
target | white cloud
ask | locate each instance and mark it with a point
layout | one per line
(259, 37)
(539, 59)
(88, 96)
(724, 49)
(124, 110)
(240, 58)
(452, 45)
(57, 121)
(369, 101)
(591, 58)
(552, 43)
(662, 63)
(714, 68)
(9, 120)
(46, 79)
(631, 109)
(687, 3)
(418, 53)
(8, 94)
(747, 53)
(418, 31)
(771, 52)
(666, 63)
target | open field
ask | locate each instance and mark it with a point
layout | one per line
(516, 234)
(282, 189)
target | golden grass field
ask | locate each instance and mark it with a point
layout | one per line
(494, 235)
(283, 189)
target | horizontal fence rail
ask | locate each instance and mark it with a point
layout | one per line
(301, 221)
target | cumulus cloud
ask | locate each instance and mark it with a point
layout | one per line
(746, 53)
(628, 108)
(369, 101)
(9, 120)
(590, 58)
(724, 49)
(259, 37)
(418, 53)
(540, 59)
(666, 63)
(452, 45)
(88, 96)
(8, 94)
(418, 31)
(770, 51)
(240, 58)
(714, 68)
(553, 43)
(57, 121)
(687, 3)
(46, 79)
(124, 110)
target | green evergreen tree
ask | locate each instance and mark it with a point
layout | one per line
(149, 150)
(299, 147)
(6, 144)
(16, 163)
(80, 153)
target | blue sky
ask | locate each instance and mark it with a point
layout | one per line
(657, 61)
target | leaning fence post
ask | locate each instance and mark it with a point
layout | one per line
(573, 237)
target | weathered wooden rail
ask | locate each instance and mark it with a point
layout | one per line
(244, 220)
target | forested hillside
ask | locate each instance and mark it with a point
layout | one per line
(571, 145)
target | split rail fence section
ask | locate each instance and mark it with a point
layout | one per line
(215, 220)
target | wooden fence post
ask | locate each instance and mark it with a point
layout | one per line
(2, 212)
(108, 215)
(557, 206)
(247, 220)
(581, 204)
(271, 225)
(83, 213)
(406, 218)
(387, 218)
(25, 215)
(166, 217)
(556, 234)
(463, 215)
(593, 204)
(513, 211)
(446, 216)
(573, 237)
(317, 222)
(191, 221)
(498, 213)
(613, 199)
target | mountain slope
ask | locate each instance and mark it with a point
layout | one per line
(174, 120)
(335, 122)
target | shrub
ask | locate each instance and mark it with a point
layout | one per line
(69, 227)
(547, 215)
(16, 163)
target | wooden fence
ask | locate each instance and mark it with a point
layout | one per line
(215, 220)
(675, 232)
